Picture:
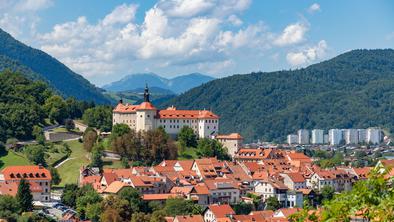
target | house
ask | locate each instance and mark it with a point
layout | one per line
(189, 218)
(322, 178)
(216, 212)
(272, 188)
(222, 190)
(200, 194)
(38, 177)
(294, 180)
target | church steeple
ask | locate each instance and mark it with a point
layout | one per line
(146, 94)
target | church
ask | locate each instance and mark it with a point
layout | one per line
(145, 116)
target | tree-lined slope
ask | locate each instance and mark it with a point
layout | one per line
(355, 89)
(54, 72)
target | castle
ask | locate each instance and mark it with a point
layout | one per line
(146, 117)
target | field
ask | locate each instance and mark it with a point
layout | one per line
(69, 170)
(12, 159)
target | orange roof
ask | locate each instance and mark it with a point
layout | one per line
(186, 114)
(120, 173)
(109, 177)
(146, 106)
(125, 108)
(263, 213)
(388, 163)
(161, 196)
(232, 136)
(299, 156)
(115, 187)
(189, 218)
(26, 172)
(182, 190)
(296, 177)
(249, 218)
(221, 211)
(289, 211)
(201, 188)
(362, 172)
(90, 179)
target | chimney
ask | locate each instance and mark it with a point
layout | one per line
(121, 101)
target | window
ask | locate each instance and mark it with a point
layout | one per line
(148, 115)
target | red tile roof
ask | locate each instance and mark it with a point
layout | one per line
(189, 218)
(186, 114)
(27, 172)
(162, 196)
(201, 188)
(125, 108)
(232, 136)
(7, 188)
(296, 177)
(221, 211)
(146, 106)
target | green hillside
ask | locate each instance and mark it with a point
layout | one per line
(355, 89)
(59, 76)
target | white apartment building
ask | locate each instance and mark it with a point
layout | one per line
(292, 139)
(145, 117)
(317, 136)
(303, 136)
(373, 135)
(335, 136)
(362, 135)
(351, 136)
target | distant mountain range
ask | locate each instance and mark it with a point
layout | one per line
(177, 85)
(36, 64)
(352, 90)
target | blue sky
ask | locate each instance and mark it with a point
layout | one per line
(106, 40)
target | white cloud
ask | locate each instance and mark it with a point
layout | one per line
(233, 19)
(314, 8)
(121, 14)
(32, 5)
(185, 8)
(292, 34)
(307, 55)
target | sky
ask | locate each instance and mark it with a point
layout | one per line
(104, 40)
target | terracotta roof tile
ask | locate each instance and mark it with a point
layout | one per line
(189, 218)
(27, 172)
(221, 211)
(232, 136)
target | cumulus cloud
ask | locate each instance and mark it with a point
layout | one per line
(307, 55)
(233, 19)
(121, 14)
(292, 34)
(314, 8)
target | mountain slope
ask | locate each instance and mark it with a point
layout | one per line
(354, 89)
(54, 72)
(178, 84)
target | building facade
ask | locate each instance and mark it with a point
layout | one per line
(373, 135)
(335, 136)
(351, 136)
(292, 139)
(303, 136)
(233, 142)
(146, 117)
(317, 136)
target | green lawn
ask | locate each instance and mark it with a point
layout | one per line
(69, 171)
(189, 153)
(13, 159)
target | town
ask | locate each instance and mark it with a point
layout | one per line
(248, 182)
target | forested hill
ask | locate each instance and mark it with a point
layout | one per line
(54, 72)
(355, 89)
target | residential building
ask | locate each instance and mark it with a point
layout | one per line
(317, 136)
(292, 139)
(233, 142)
(335, 136)
(294, 180)
(272, 188)
(373, 135)
(303, 136)
(145, 117)
(351, 136)
(222, 190)
(362, 135)
(38, 177)
(217, 212)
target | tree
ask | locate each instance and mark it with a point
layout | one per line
(96, 160)
(87, 196)
(9, 207)
(272, 203)
(134, 199)
(110, 215)
(24, 196)
(56, 109)
(243, 208)
(36, 154)
(99, 117)
(119, 130)
(180, 206)
(140, 217)
(69, 124)
(38, 134)
(212, 148)
(327, 193)
(93, 211)
(125, 163)
(55, 176)
(187, 137)
(158, 216)
(89, 139)
(117, 207)
(69, 195)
